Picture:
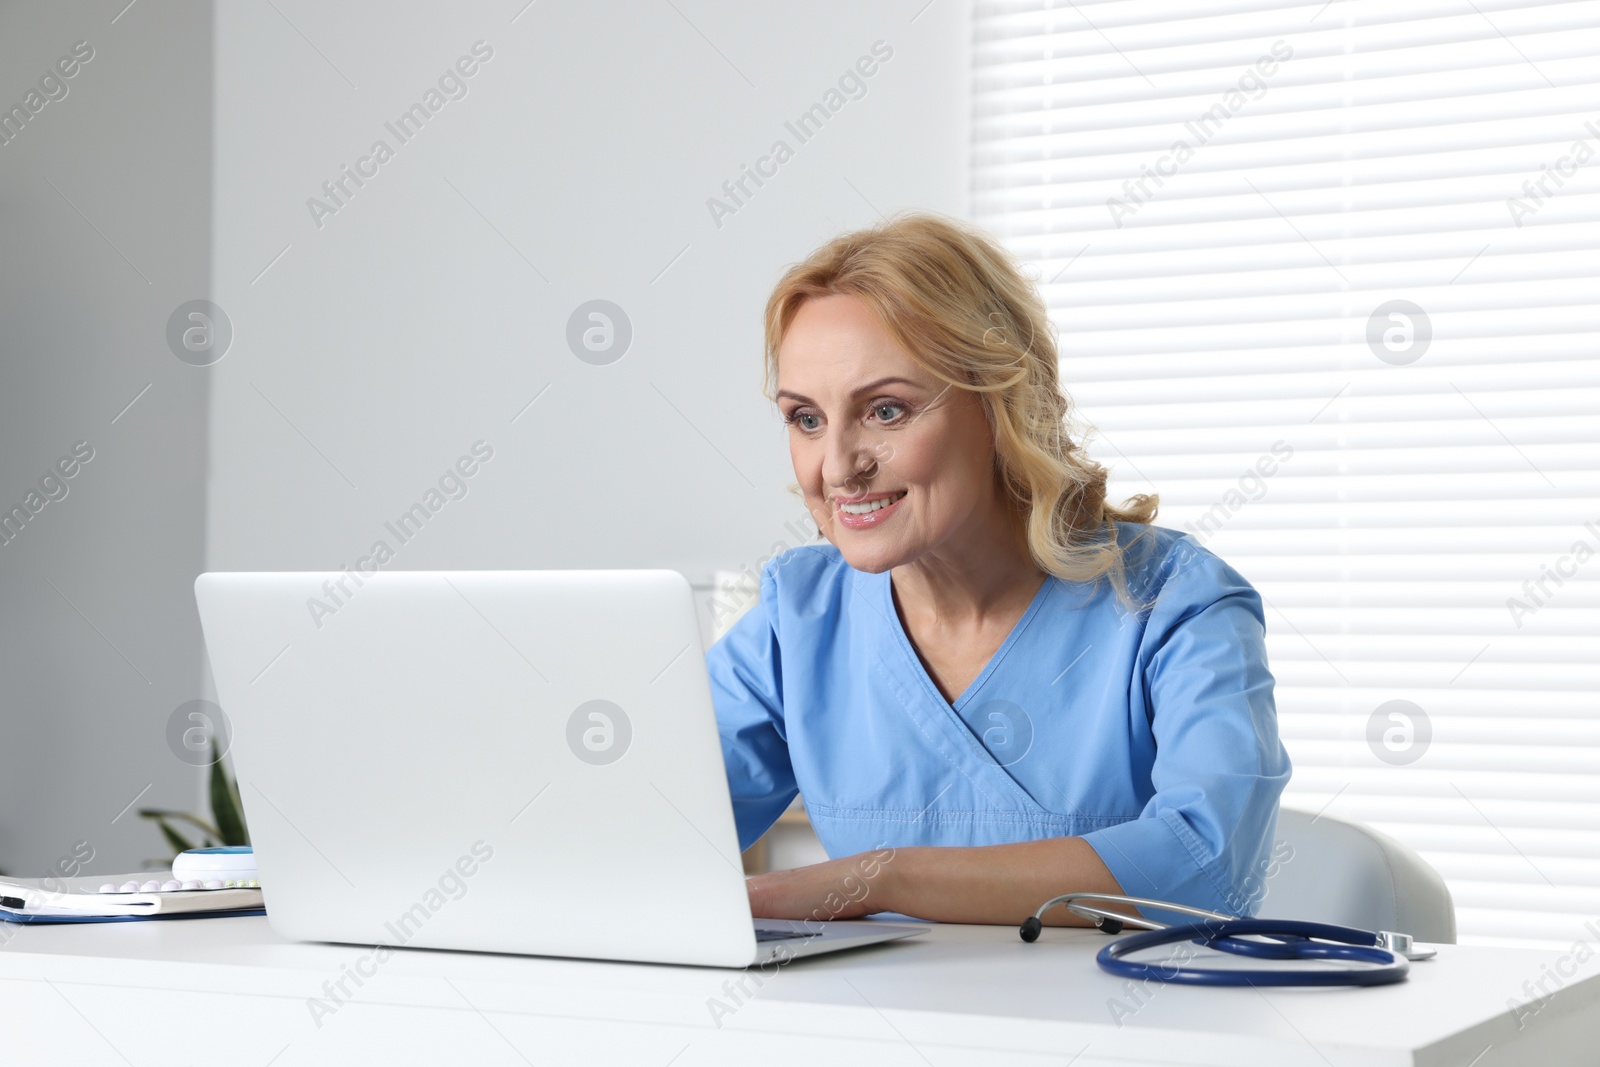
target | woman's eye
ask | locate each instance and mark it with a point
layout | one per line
(806, 420)
(886, 412)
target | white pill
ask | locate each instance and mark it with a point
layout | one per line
(213, 883)
(108, 888)
(171, 886)
(129, 887)
(150, 886)
(192, 883)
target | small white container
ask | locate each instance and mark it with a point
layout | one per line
(233, 863)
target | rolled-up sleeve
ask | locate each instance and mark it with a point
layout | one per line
(746, 668)
(1205, 836)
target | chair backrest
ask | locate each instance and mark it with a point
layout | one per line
(1352, 875)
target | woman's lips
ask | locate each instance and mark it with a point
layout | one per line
(876, 517)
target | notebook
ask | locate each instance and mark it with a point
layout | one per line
(47, 900)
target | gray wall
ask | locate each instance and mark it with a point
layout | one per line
(371, 351)
(104, 206)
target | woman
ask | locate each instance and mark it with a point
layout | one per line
(990, 684)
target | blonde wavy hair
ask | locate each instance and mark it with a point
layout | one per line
(959, 304)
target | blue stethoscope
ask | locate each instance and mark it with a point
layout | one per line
(1384, 954)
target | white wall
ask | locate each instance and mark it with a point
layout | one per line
(104, 206)
(430, 309)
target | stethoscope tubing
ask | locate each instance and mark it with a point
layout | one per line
(1353, 946)
(1380, 958)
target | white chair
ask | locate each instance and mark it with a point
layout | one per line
(1351, 875)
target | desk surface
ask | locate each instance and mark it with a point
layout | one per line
(158, 992)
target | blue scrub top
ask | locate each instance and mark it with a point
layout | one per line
(1154, 737)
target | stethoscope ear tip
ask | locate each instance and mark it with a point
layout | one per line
(1031, 927)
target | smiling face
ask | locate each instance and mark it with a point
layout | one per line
(893, 463)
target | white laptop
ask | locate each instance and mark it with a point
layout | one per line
(501, 761)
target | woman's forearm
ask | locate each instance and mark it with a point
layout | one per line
(998, 884)
(986, 884)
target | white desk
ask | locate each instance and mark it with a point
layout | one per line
(229, 992)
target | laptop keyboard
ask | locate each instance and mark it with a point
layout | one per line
(782, 933)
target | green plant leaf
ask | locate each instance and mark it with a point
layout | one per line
(238, 804)
(175, 839)
(225, 807)
(200, 824)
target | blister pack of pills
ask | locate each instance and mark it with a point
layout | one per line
(172, 885)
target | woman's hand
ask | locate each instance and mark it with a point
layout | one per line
(846, 888)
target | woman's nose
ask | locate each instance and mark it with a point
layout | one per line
(848, 464)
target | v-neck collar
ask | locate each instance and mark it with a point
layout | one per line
(886, 596)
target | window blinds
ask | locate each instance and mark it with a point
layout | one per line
(1324, 276)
